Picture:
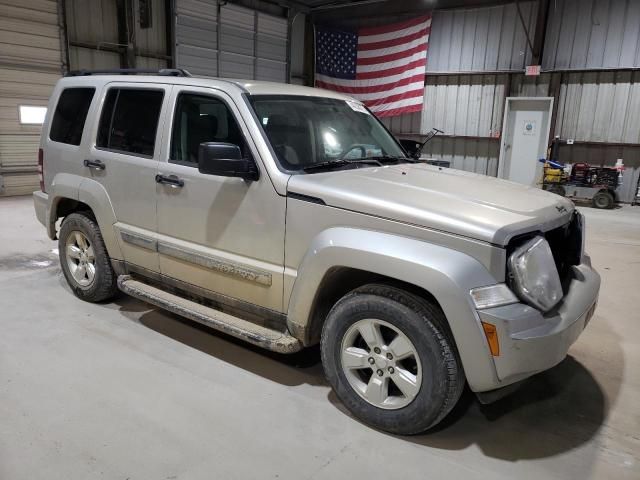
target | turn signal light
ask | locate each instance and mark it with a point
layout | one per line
(491, 333)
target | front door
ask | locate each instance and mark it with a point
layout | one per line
(525, 133)
(124, 159)
(222, 234)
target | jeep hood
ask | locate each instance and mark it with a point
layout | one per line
(477, 206)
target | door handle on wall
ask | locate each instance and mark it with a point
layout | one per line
(95, 164)
(170, 180)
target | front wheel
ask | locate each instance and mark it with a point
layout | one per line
(391, 360)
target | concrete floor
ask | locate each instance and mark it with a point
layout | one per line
(125, 391)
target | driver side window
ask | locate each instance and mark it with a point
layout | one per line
(199, 119)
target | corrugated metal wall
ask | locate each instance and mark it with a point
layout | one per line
(30, 64)
(251, 45)
(599, 110)
(593, 34)
(480, 39)
(92, 30)
(94, 23)
(197, 36)
(467, 105)
(600, 107)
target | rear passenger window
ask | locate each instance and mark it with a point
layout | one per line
(70, 115)
(129, 120)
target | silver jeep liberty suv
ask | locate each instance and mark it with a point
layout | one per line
(289, 216)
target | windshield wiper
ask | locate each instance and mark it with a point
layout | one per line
(341, 162)
(390, 159)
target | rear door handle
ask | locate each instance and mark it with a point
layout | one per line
(95, 164)
(170, 180)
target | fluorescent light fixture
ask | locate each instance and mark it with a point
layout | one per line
(31, 114)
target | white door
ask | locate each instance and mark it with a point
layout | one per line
(124, 160)
(223, 234)
(524, 141)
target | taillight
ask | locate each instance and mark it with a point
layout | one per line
(41, 169)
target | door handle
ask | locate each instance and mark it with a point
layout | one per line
(95, 164)
(171, 180)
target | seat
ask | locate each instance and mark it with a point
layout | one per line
(200, 129)
(290, 141)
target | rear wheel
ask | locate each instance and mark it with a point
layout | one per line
(391, 360)
(84, 259)
(603, 199)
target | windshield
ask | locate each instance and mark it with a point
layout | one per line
(306, 131)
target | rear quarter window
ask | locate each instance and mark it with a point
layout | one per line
(70, 115)
(129, 120)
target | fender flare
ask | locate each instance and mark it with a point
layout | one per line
(63, 186)
(91, 193)
(447, 274)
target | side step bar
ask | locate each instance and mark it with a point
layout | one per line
(237, 327)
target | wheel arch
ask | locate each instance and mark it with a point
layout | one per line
(342, 259)
(339, 281)
(70, 193)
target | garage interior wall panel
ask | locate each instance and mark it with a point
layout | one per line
(600, 107)
(464, 105)
(151, 40)
(237, 42)
(480, 39)
(93, 23)
(30, 65)
(252, 44)
(197, 36)
(592, 34)
(478, 155)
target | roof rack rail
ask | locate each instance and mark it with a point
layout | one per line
(171, 72)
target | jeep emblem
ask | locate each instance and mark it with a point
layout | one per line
(561, 208)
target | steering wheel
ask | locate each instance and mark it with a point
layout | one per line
(362, 147)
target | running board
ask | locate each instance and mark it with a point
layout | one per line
(237, 327)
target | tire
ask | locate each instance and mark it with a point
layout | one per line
(94, 287)
(437, 370)
(603, 199)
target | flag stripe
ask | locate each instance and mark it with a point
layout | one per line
(362, 75)
(396, 90)
(372, 82)
(399, 104)
(416, 79)
(390, 98)
(383, 67)
(363, 48)
(399, 111)
(390, 57)
(394, 27)
(383, 37)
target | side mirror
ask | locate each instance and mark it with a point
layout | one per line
(225, 160)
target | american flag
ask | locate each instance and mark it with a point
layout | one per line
(383, 67)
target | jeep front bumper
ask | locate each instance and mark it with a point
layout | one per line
(531, 342)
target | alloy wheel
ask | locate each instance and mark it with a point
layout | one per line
(381, 364)
(81, 258)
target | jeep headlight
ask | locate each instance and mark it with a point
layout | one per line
(535, 276)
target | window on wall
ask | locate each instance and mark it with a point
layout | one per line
(70, 115)
(129, 120)
(199, 119)
(31, 114)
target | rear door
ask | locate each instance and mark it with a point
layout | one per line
(124, 159)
